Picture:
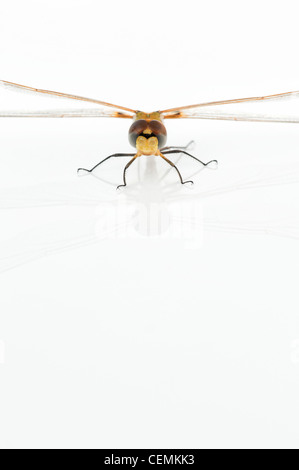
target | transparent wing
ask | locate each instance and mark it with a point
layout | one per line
(103, 109)
(66, 113)
(283, 107)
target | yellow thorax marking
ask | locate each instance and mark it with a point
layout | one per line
(155, 116)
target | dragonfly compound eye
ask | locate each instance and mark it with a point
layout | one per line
(137, 129)
(158, 130)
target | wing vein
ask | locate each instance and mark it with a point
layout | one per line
(66, 95)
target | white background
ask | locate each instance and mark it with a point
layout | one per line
(159, 316)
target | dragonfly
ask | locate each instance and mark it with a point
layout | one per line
(147, 133)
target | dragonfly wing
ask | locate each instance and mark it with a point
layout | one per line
(65, 113)
(283, 107)
(103, 109)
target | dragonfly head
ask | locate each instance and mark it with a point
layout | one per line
(147, 133)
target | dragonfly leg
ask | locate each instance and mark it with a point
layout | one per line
(125, 171)
(176, 168)
(212, 163)
(105, 159)
(172, 147)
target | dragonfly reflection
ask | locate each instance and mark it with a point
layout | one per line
(148, 208)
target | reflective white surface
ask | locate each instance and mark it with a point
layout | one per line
(154, 304)
(158, 316)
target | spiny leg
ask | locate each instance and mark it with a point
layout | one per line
(175, 167)
(175, 147)
(107, 158)
(125, 170)
(215, 162)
